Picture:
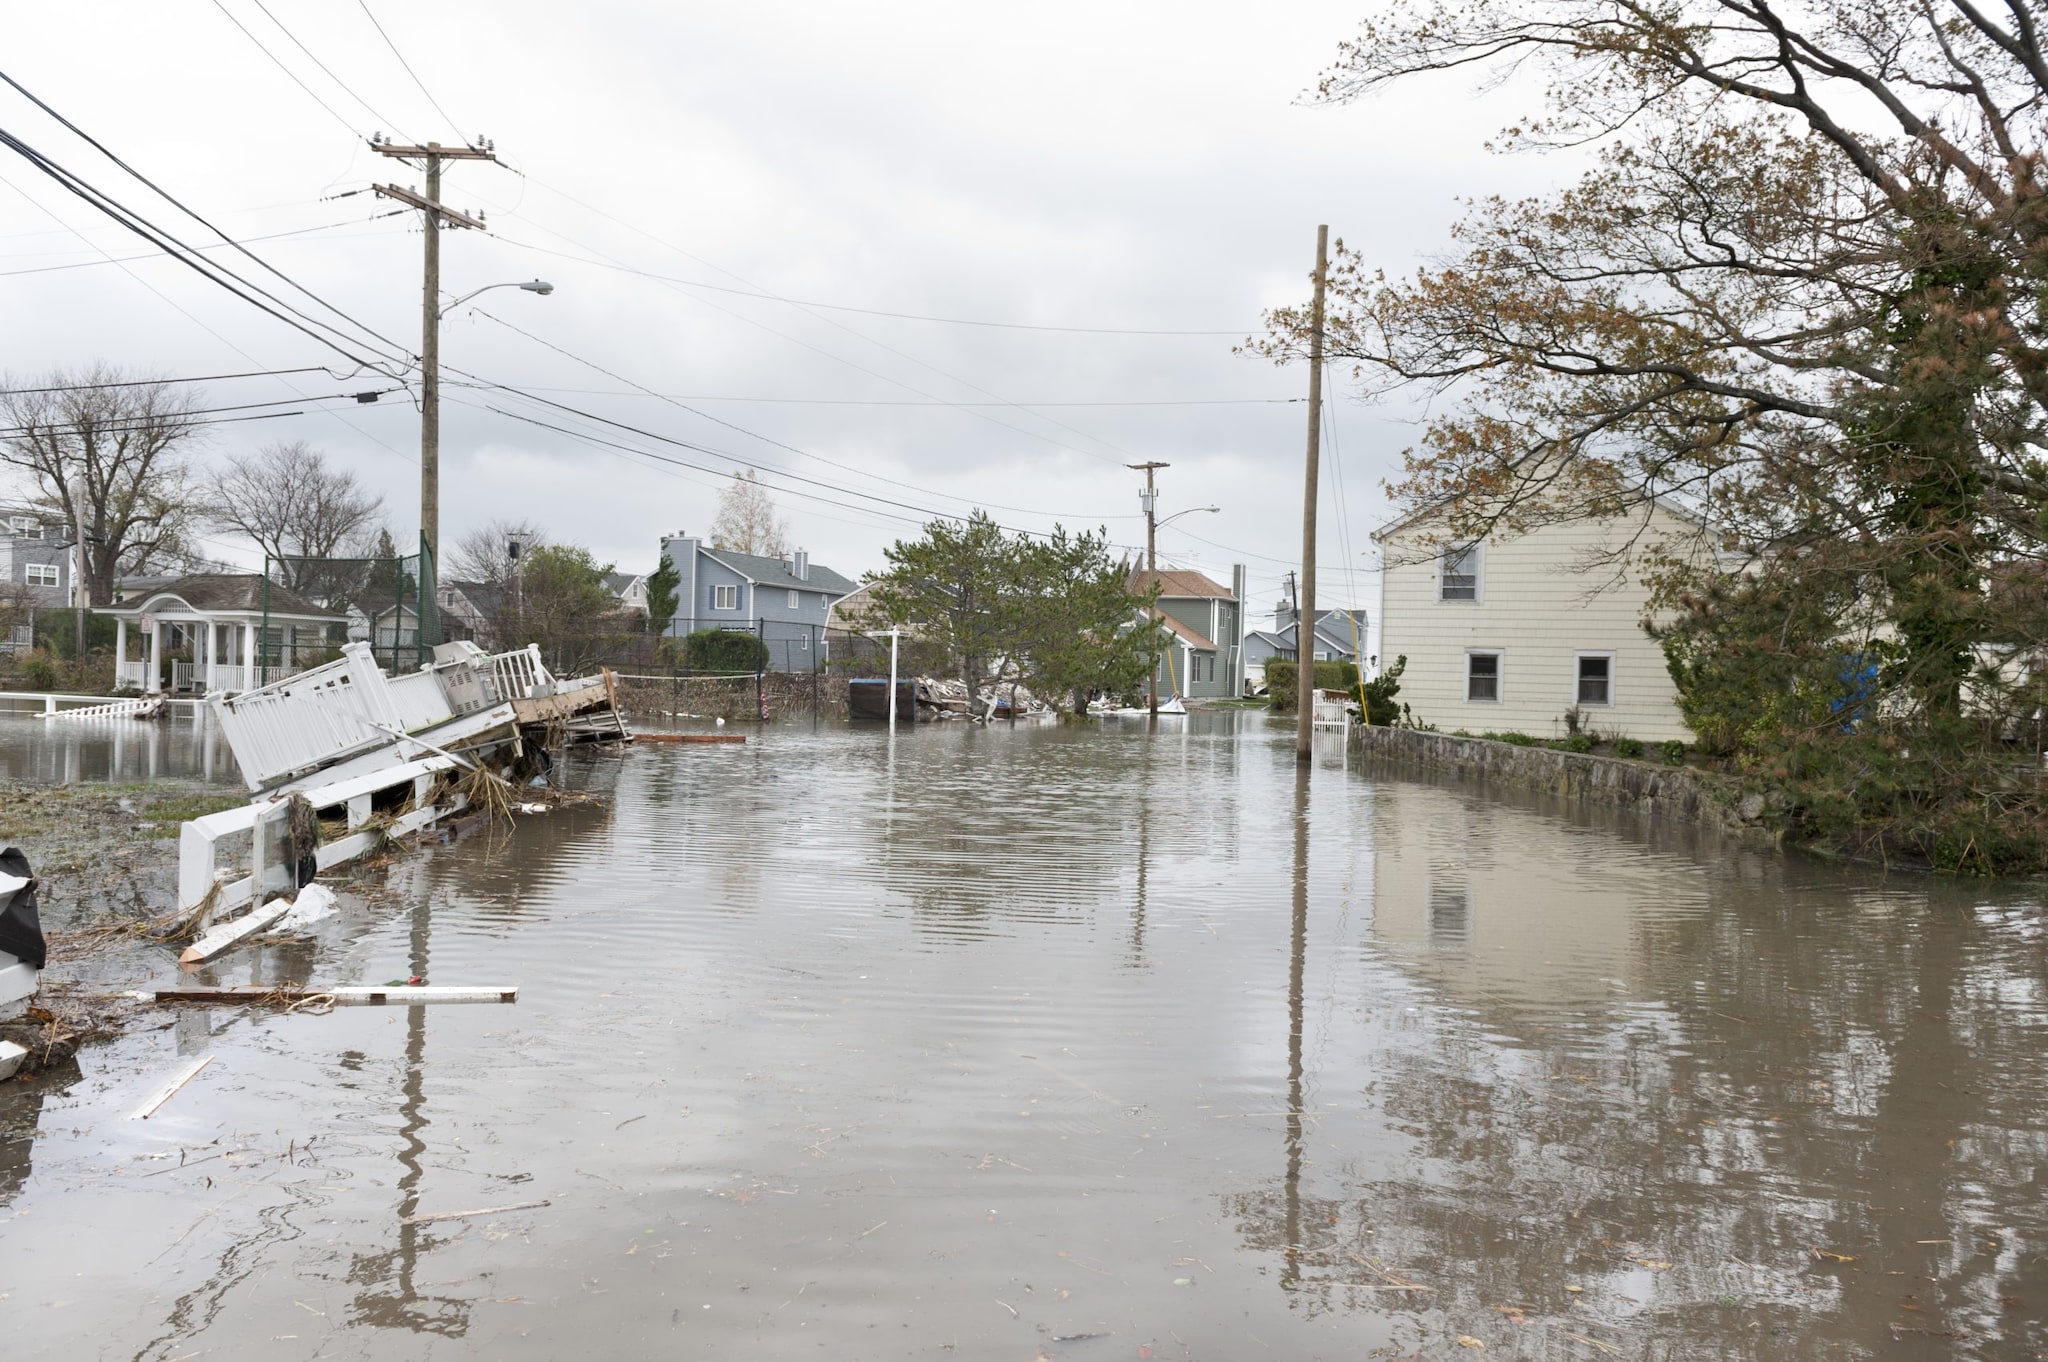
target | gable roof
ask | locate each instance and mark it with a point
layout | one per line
(775, 573)
(619, 583)
(1668, 504)
(231, 593)
(1182, 632)
(1184, 584)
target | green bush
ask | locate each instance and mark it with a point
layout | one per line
(1579, 742)
(1281, 677)
(1674, 753)
(721, 650)
(1632, 748)
(40, 671)
(1512, 739)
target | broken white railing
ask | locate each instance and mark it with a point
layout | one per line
(320, 716)
(204, 882)
(147, 707)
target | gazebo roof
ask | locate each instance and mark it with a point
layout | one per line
(224, 594)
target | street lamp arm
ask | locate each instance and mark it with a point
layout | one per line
(540, 286)
(1189, 511)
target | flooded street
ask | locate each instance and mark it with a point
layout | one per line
(1068, 1042)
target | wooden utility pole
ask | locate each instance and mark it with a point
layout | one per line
(1149, 498)
(1305, 607)
(434, 216)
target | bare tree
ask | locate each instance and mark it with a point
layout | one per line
(99, 447)
(747, 522)
(488, 553)
(294, 505)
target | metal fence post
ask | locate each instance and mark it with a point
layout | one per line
(761, 667)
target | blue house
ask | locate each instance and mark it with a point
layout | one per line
(783, 600)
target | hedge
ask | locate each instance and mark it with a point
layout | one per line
(722, 650)
(1281, 675)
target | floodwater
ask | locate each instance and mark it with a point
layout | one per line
(113, 751)
(1075, 1044)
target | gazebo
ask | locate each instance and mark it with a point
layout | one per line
(218, 619)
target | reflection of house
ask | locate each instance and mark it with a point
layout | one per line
(785, 601)
(1507, 634)
(1204, 657)
(207, 632)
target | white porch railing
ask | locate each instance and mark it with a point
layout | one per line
(520, 674)
(310, 719)
(418, 700)
(130, 675)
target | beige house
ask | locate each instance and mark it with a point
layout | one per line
(1507, 634)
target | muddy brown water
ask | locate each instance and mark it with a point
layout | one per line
(1079, 1044)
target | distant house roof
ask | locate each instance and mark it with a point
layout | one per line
(619, 583)
(851, 611)
(1179, 583)
(775, 573)
(222, 593)
(1279, 642)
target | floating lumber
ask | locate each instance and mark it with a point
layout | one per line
(687, 737)
(227, 934)
(471, 1215)
(341, 995)
(170, 1088)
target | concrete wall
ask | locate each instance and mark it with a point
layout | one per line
(1541, 604)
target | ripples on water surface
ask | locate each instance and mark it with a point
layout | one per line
(1079, 1043)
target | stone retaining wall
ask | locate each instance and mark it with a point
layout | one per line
(788, 694)
(1675, 792)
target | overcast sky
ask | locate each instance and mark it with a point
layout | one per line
(1139, 166)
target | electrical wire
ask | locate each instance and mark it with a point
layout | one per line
(171, 199)
(408, 67)
(369, 107)
(151, 382)
(334, 113)
(152, 255)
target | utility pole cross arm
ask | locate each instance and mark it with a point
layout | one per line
(451, 216)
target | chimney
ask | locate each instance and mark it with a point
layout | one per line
(800, 566)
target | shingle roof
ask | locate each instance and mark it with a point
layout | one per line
(774, 572)
(227, 593)
(1185, 634)
(1182, 583)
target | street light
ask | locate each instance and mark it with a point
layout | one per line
(430, 411)
(1149, 499)
(540, 286)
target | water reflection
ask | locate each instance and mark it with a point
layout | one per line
(114, 751)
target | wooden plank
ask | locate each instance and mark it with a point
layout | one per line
(228, 934)
(687, 737)
(342, 995)
(170, 1089)
(471, 1215)
(11, 1056)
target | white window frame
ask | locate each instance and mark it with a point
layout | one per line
(25, 527)
(1443, 561)
(44, 574)
(803, 642)
(1500, 669)
(725, 597)
(796, 600)
(1580, 657)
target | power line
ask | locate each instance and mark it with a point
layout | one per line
(881, 402)
(334, 113)
(171, 199)
(371, 108)
(151, 382)
(406, 64)
(151, 255)
(870, 311)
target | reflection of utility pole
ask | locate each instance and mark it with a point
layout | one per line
(434, 216)
(1149, 499)
(80, 597)
(1304, 616)
(1296, 971)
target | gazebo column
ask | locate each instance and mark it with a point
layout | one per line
(206, 685)
(120, 647)
(154, 681)
(249, 678)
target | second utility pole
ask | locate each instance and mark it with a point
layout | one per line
(1150, 498)
(433, 215)
(1305, 611)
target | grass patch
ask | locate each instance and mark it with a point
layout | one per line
(171, 809)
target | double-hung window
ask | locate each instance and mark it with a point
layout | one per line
(1596, 679)
(725, 598)
(43, 574)
(1458, 574)
(795, 601)
(25, 527)
(1482, 677)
